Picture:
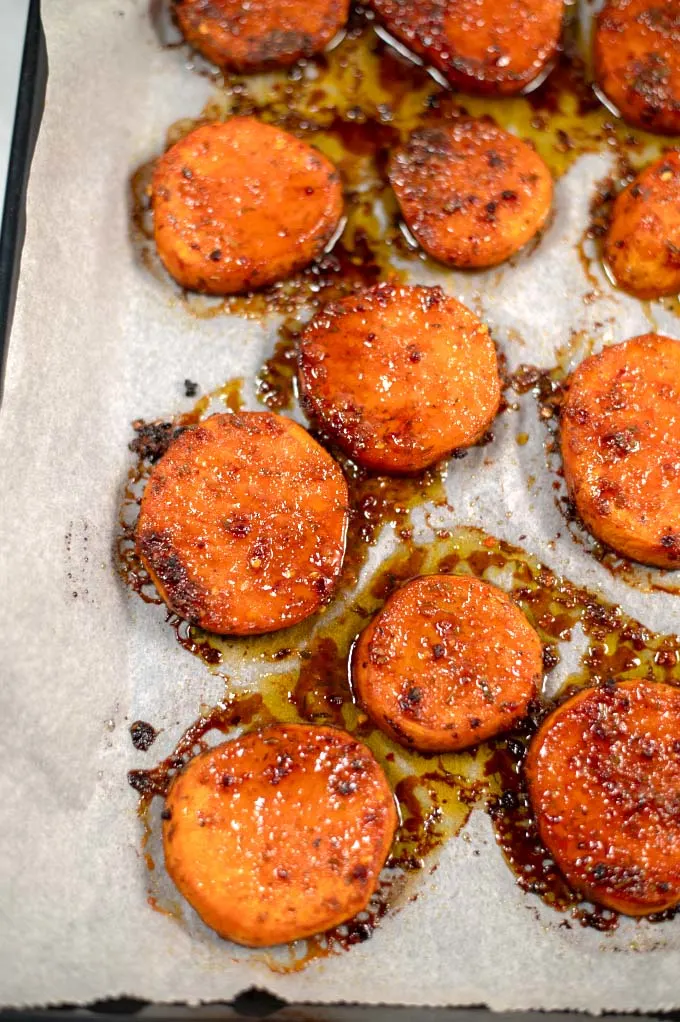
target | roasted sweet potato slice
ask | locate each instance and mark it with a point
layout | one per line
(481, 46)
(279, 834)
(240, 204)
(242, 524)
(260, 34)
(642, 248)
(604, 781)
(399, 376)
(637, 61)
(448, 662)
(620, 441)
(471, 193)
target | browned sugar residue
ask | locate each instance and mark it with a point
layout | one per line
(276, 387)
(517, 834)
(143, 734)
(437, 793)
(356, 103)
(591, 245)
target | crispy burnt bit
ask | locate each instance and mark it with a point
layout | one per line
(471, 193)
(259, 35)
(241, 204)
(620, 441)
(259, 867)
(447, 663)
(242, 524)
(603, 776)
(399, 376)
(637, 61)
(153, 438)
(481, 46)
(642, 248)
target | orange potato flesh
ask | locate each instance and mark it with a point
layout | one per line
(604, 781)
(242, 524)
(481, 46)
(642, 247)
(620, 437)
(260, 34)
(279, 834)
(399, 376)
(448, 662)
(471, 193)
(637, 61)
(239, 205)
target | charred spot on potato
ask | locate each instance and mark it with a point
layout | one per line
(621, 443)
(186, 596)
(411, 699)
(281, 768)
(671, 544)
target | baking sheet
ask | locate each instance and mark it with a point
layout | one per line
(98, 342)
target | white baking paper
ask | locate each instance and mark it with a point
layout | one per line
(97, 342)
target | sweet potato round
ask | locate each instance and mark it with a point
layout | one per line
(261, 34)
(448, 662)
(604, 780)
(279, 834)
(239, 205)
(620, 443)
(637, 61)
(481, 46)
(642, 248)
(471, 193)
(242, 524)
(399, 376)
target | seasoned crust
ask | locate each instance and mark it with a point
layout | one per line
(471, 193)
(242, 524)
(262, 34)
(241, 204)
(642, 248)
(620, 439)
(448, 662)
(481, 46)
(604, 781)
(279, 834)
(637, 61)
(399, 376)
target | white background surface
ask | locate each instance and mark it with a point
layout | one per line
(96, 343)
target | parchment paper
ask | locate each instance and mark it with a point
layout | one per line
(97, 342)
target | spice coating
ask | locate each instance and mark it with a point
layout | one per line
(620, 439)
(642, 247)
(242, 524)
(261, 34)
(637, 61)
(604, 781)
(279, 834)
(399, 376)
(481, 46)
(447, 663)
(471, 193)
(239, 205)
